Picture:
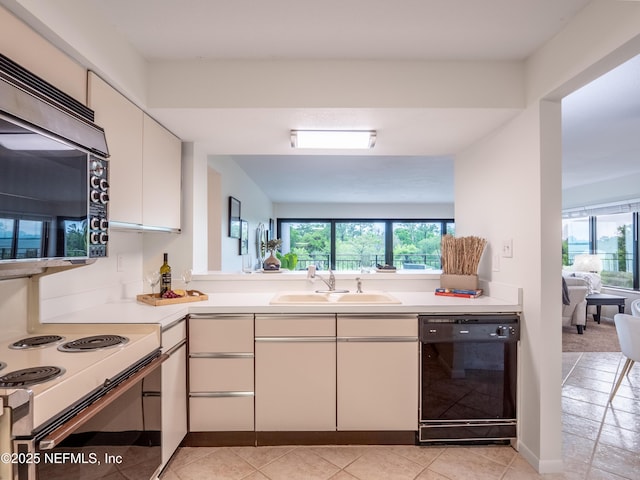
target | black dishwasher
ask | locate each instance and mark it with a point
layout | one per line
(468, 377)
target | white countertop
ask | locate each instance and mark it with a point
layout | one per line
(131, 311)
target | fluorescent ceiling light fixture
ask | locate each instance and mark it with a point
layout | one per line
(333, 139)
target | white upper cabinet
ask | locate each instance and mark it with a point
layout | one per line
(161, 181)
(123, 125)
(25, 46)
(144, 162)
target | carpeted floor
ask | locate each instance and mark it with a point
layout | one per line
(596, 338)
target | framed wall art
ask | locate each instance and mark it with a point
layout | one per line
(234, 217)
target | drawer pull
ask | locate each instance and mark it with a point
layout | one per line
(220, 355)
(378, 339)
(220, 394)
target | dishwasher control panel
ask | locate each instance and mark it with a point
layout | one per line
(463, 328)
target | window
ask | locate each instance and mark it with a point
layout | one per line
(7, 228)
(355, 244)
(310, 241)
(611, 236)
(359, 244)
(29, 244)
(20, 238)
(614, 246)
(575, 238)
(416, 245)
(75, 238)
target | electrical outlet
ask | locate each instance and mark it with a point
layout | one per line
(507, 248)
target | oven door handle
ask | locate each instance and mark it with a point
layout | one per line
(66, 429)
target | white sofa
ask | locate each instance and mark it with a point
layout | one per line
(576, 312)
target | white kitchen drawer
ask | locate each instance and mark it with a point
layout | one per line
(221, 414)
(173, 335)
(377, 326)
(295, 325)
(221, 333)
(221, 374)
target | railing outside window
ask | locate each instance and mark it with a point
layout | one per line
(363, 244)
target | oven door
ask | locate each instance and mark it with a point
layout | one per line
(116, 436)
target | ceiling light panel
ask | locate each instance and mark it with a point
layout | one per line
(333, 139)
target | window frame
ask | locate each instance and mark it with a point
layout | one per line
(388, 226)
(635, 229)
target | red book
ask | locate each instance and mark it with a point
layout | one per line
(461, 295)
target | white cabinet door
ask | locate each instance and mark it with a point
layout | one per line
(295, 372)
(122, 122)
(161, 183)
(295, 384)
(174, 402)
(377, 385)
(377, 372)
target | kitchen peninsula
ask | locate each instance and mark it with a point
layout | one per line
(252, 293)
(257, 367)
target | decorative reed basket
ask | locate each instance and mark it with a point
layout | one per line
(460, 259)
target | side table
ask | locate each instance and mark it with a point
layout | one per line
(599, 299)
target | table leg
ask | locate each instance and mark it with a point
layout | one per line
(596, 317)
(621, 308)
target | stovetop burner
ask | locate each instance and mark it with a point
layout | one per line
(30, 376)
(96, 342)
(36, 342)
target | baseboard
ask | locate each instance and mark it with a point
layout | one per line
(219, 439)
(540, 466)
(233, 439)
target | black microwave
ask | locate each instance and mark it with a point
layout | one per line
(54, 197)
(54, 176)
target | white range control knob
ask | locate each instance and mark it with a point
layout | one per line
(95, 196)
(103, 238)
(104, 224)
(95, 223)
(104, 184)
(104, 197)
(94, 238)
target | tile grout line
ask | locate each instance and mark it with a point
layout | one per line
(604, 415)
(564, 380)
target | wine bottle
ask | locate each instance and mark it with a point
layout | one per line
(165, 276)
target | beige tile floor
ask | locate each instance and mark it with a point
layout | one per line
(601, 441)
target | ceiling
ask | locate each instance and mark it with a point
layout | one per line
(393, 171)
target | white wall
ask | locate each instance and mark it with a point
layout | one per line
(508, 187)
(499, 184)
(359, 210)
(256, 208)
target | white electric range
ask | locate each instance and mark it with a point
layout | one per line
(81, 375)
(84, 370)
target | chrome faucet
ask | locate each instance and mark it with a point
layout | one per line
(330, 283)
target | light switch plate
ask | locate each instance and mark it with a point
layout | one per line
(507, 248)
